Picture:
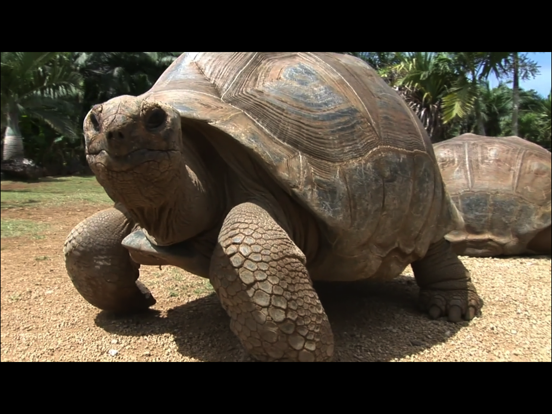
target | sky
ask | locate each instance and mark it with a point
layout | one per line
(542, 82)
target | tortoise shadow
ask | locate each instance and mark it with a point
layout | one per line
(371, 321)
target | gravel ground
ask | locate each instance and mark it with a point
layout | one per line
(44, 318)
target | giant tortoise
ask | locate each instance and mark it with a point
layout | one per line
(501, 185)
(265, 172)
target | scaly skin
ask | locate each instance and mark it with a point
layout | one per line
(259, 275)
(101, 268)
(175, 185)
(445, 284)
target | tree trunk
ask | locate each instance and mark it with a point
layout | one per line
(479, 125)
(13, 141)
(515, 99)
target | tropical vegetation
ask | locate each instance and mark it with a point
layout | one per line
(45, 95)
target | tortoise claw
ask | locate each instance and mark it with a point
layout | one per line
(455, 313)
(470, 314)
(434, 312)
(456, 305)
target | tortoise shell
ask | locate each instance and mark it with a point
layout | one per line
(501, 185)
(334, 136)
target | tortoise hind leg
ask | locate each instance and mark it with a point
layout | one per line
(101, 268)
(445, 284)
(541, 242)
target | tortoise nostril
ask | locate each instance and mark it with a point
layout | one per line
(117, 134)
(94, 121)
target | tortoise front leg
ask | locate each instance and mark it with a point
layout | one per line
(101, 268)
(260, 277)
(445, 284)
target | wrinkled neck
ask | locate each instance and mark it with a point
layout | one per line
(194, 208)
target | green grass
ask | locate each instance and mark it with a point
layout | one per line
(204, 287)
(53, 192)
(15, 297)
(16, 228)
(173, 281)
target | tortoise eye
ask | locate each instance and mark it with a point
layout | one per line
(155, 118)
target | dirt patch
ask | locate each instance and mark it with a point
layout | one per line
(63, 217)
(45, 319)
(14, 186)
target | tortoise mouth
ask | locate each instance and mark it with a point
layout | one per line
(134, 159)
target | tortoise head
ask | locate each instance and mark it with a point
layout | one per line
(134, 147)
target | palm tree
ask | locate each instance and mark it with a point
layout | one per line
(518, 67)
(379, 60)
(496, 105)
(443, 88)
(471, 69)
(423, 79)
(546, 120)
(534, 122)
(41, 85)
(110, 74)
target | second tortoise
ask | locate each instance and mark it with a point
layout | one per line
(502, 186)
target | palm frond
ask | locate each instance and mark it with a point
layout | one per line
(18, 67)
(61, 80)
(492, 62)
(154, 56)
(58, 121)
(36, 101)
(460, 101)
